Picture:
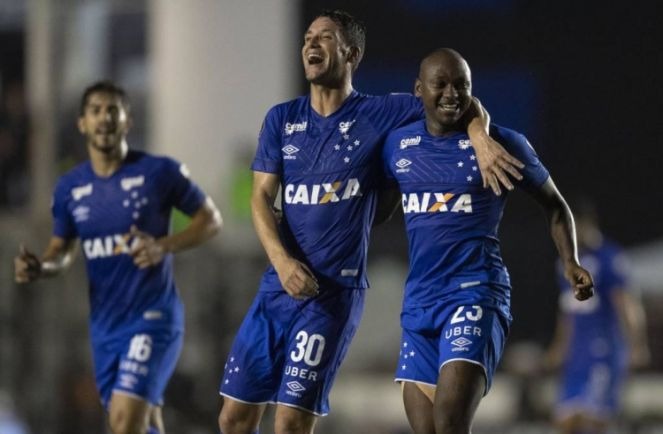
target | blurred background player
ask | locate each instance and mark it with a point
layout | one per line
(119, 204)
(596, 341)
(456, 308)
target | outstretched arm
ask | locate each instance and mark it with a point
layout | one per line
(204, 224)
(495, 163)
(56, 259)
(563, 233)
(295, 277)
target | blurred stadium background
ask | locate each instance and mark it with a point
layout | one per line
(581, 79)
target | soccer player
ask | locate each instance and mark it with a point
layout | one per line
(595, 341)
(323, 150)
(456, 312)
(119, 204)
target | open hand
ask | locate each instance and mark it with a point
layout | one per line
(495, 164)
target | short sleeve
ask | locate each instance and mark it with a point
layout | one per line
(268, 156)
(399, 109)
(534, 173)
(617, 270)
(63, 224)
(184, 194)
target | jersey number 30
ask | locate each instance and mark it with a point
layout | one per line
(309, 348)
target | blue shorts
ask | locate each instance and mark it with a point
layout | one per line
(470, 333)
(287, 351)
(138, 364)
(592, 386)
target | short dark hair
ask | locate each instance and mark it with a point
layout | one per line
(583, 207)
(353, 30)
(104, 86)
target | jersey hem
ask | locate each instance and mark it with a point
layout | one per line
(135, 395)
(409, 380)
(301, 408)
(245, 402)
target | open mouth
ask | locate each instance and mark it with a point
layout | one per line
(449, 108)
(314, 59)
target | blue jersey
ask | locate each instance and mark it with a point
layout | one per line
(596, 327)
(451, 220)
(100, 211)
(330, 172)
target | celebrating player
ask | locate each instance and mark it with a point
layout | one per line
(119, 205)
(456, 312)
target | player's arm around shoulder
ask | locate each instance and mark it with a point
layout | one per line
(563, 233)
(57, 258)
(495, 163)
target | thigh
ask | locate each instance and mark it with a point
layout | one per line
(128, 413)
(459, 390)
(317, 342)
(418, 402)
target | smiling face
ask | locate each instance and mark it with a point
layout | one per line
(328, 59)
(445, 88)
(104, 122)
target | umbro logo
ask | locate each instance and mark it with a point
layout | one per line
(295, 386)
(289, 150)
(461, 344)
(402, 165)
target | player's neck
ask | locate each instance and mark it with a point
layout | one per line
(437, 129)
(326, 100)
(104, 164)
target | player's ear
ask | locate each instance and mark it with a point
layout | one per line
(417, 87)
(354, 55)
(81, 125)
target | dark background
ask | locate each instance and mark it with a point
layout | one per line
(579, 79)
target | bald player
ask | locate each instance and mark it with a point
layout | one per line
(456, 307)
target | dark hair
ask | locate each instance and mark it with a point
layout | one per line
(104, 86)
(353, 30)
(583, 207)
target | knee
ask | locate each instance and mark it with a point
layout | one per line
(232, 423)
(448, 421)
(121, 422)
(451, 425)
(293, 423)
